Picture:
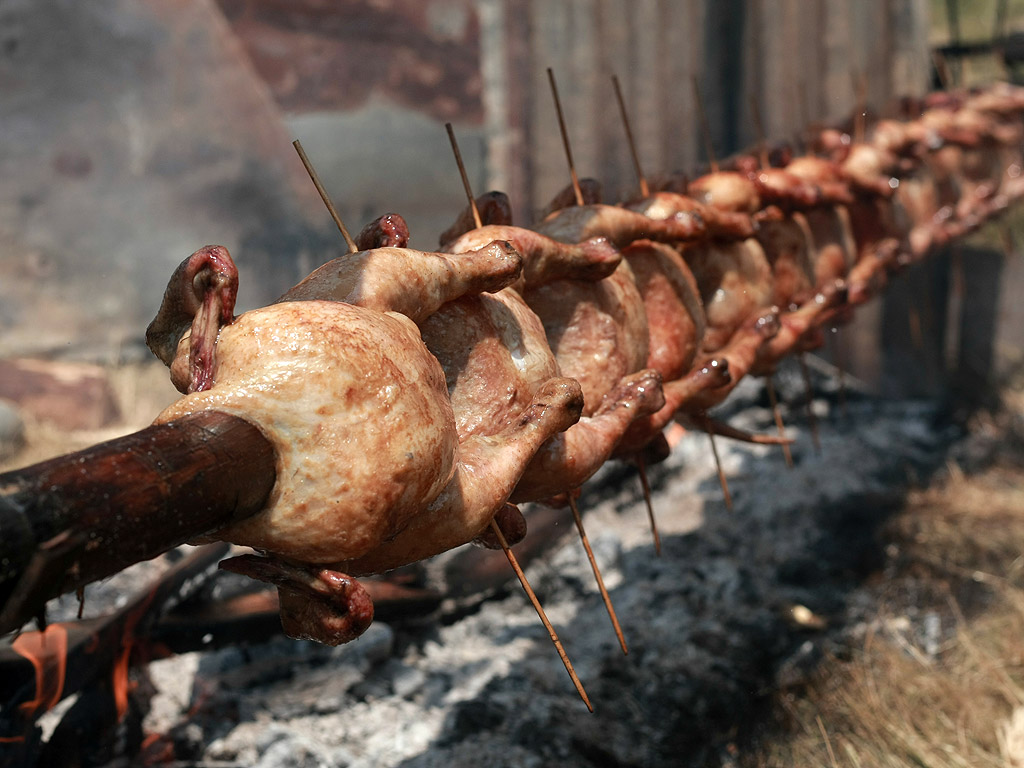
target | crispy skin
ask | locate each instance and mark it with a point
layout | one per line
(720, 224)
(357, 410)
(414, 283)
(787, 244)
(734, 280)
(496, 359)
(834, 248)
(727, 191)
(590, 191)
(545, 259)
(675, 314)
(488, 469)
(494, 355)
(619, 225)
(598, 331)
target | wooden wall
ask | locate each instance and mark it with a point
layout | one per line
(768, 50)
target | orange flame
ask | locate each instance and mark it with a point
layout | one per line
(47, 652)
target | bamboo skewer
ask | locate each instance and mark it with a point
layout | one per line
(565, 139)
(352, 247)
(465, 178)
(812, 420)
(839, 358)
(645, 190)
(721, 473)
(860, 114)
(645, 486)
(762, 143)
(953, 22)
(709, 147)
(540, 612)
(578, 519)
(762, 140)
(805, 111)
(572, 502)
(770, 386)
(713, 162)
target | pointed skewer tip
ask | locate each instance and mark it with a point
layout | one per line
(578, 519)
(540, 612)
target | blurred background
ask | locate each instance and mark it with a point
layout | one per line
(133, 132)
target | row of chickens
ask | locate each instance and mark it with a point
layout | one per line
(412, 397)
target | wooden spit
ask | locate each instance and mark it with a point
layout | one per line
(82, 517)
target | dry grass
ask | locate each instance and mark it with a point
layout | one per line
(903, 696)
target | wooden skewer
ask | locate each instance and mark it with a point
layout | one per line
(941, 65)
(836, 343)
(352, 247)
(999, 27)
(540, 612)
(812, 420)
(721, 473)
(465, 178)
(770, 385)
(1009, 246)
(705, 126)
(805, 116)
(597, 574)
(641, 467)
(565, 139)
(572, 502)
(762, 141)
(645, 190)
(839, 359)
(953, 21)
(956, 266)
(860, 89)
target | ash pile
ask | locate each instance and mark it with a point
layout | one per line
(740, 604)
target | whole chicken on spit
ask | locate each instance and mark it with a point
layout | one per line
(383, 452)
